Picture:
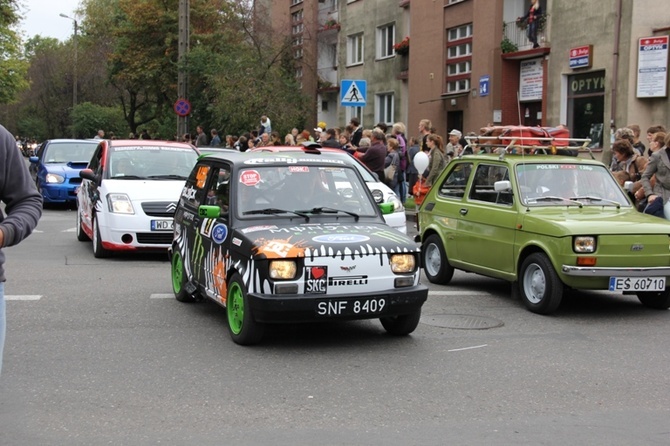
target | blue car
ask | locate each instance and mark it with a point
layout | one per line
(55, 168)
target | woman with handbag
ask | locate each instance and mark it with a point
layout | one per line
(437, 158)
(629, 165)
(392, 165)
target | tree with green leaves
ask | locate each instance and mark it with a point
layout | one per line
(12, 66)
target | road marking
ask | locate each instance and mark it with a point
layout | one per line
(467, 348)
(70, 230)
(162, 296)
(23, 297)
(458, 293)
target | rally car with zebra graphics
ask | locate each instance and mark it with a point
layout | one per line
(291, 237)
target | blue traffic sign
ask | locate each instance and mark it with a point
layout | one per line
(353, 93)
(182, 107)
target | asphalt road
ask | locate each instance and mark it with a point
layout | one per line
(99, 352)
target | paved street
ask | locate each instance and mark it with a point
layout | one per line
(99, 352)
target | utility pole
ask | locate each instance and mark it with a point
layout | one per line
(75, 75)
(182, 79)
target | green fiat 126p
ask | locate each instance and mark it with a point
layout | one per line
(546, 223)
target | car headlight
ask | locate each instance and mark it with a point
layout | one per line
(584, 244)
(53, 178)
(120, 204)
(403, 263)
(378, 195)
(283, 269)
(397, 204)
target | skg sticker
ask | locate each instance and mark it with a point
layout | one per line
(219, 233)
(316, 279)
(237, 241)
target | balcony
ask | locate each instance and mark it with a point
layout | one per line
(515, 39)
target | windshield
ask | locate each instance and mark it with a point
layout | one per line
(151, 162)
(67, 152)
(557, 184)
(302, 190)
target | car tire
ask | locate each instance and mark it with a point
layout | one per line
(241, 325)
(401, 325)
(434, 260)
(179, 279)
(659, 300)
(81, 235)
(98, 251)
(540, 288)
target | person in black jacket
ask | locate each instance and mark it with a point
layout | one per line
(23, 210)
(531, 18)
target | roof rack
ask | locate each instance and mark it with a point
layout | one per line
(512, 145)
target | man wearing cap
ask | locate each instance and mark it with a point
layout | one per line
(454, 147)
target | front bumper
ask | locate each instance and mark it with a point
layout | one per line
(582, 271)
(305, 308)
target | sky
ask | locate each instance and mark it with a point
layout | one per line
(42, 17)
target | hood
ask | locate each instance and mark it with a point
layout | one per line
(67, 170)
(592, 220)
(145, 190)
(324, 239)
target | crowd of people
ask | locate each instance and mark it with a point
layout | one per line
(648, 168)
(384, 149)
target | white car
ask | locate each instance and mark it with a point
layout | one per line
(380, 191)
(129, 193)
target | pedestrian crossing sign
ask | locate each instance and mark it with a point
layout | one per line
(353, 93)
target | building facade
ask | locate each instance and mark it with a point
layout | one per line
(598, 65)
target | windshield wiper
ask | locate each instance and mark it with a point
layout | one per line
(591, 198)
(553, 198)
(167, 177)
(275, 211)
(128, 177)
(326, 210)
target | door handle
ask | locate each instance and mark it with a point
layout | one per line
(463, 211)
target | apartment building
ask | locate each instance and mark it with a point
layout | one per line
(600, 64)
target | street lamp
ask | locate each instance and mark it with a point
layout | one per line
(74, 81)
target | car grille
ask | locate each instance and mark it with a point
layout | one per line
(160, 208)
(154, 238)
(75, 181)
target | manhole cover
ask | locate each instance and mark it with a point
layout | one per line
(462, 321)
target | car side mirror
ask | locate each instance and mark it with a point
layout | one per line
(628, 186)
(88, 174)
(209, 211)
(386, 208)
(502, 186)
